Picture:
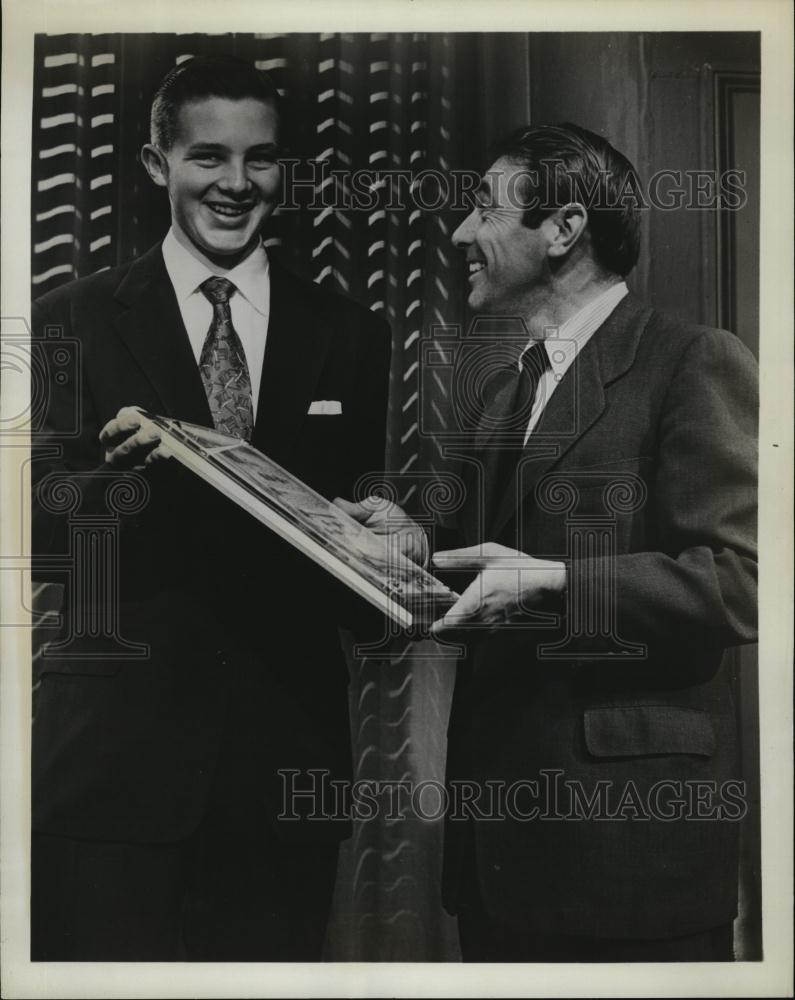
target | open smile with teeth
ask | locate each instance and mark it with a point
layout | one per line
(228, 211)
(475, 266)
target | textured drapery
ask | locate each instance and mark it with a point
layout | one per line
(75, 145)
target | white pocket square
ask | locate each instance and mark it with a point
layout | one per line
(325, 407)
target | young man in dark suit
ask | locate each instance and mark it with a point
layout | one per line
(594, 782)
(157, 792)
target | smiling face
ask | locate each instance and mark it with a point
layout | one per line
(222, 176)
(508, 263)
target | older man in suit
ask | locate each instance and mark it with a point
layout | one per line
(594, 785)
(157, 792)
(617, 508)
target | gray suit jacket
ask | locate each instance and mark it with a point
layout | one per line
(604, 714)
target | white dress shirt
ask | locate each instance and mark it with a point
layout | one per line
(249, 305)
(565, 343)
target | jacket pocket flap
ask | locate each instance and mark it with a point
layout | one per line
(641, 730)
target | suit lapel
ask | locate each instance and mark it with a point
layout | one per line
(576, 405)
(298, 339)
(152, 329)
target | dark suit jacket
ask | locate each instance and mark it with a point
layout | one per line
(244, 674)
(647, 447)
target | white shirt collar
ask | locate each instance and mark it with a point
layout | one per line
(187, 273)
(567, 341)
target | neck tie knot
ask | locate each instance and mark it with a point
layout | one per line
(533, 363)
(535, 360)
(217, 290)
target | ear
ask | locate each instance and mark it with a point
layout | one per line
(567, 226)
(156, 164)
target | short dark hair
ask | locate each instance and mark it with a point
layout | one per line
(202, 77)
(573, 164)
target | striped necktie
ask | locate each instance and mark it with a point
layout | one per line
(534, 363)
(518, 398)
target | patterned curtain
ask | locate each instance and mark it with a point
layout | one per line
(378, 103)
(75, 150)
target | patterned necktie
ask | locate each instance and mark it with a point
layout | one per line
(223, 366)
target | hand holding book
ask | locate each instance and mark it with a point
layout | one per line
(383, 517)
(129, 441)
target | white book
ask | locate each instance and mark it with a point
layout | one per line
(366, 562)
